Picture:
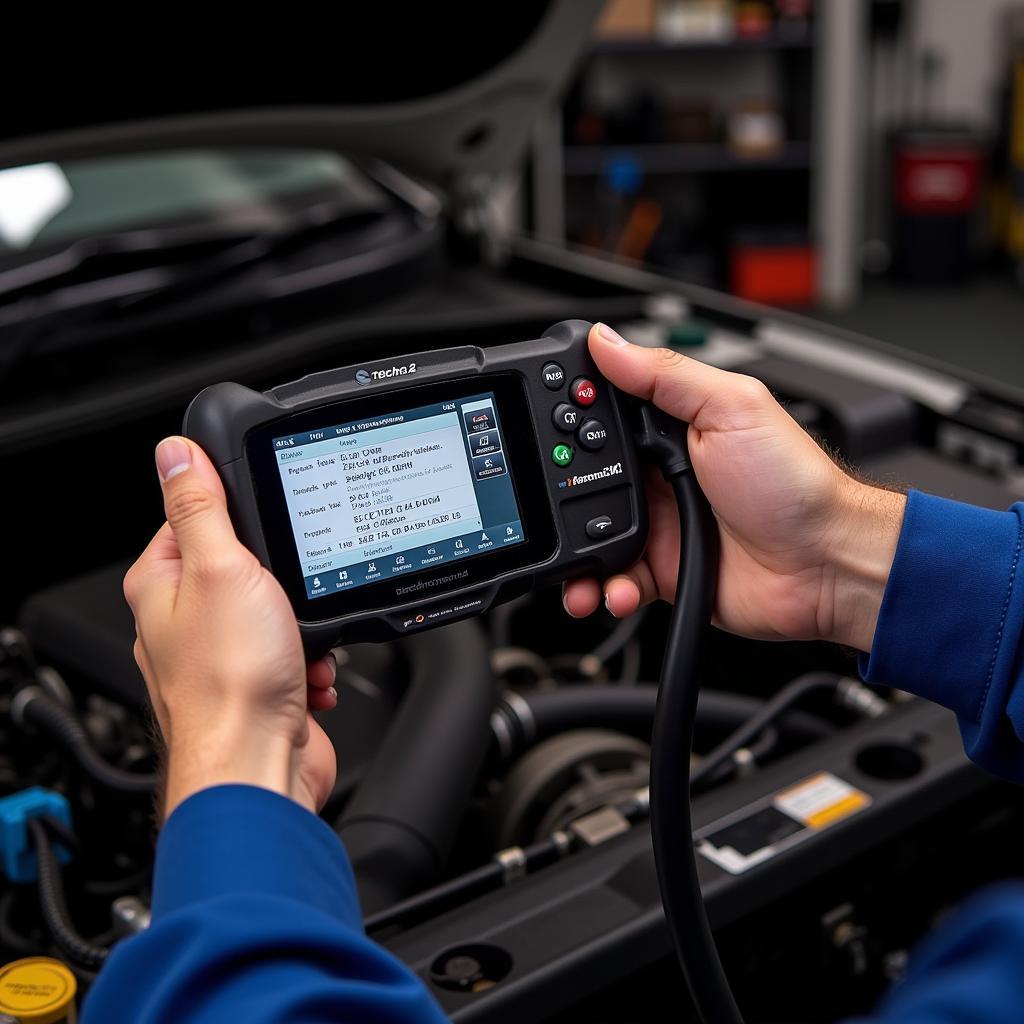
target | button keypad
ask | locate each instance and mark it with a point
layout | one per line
(592, 435)
(583, 392)
(562, 454)
(553, 376)
(565, 417)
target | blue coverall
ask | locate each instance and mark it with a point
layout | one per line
(256, 919)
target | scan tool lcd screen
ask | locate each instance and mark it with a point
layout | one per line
(380, 497)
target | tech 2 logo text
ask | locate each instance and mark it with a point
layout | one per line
(365, 376)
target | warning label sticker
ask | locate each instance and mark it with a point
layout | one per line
(758, 832)
(821, 800)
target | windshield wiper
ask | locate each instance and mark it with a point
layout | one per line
(130, 248)
(150, 268)
(196, 251)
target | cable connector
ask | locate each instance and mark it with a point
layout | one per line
(34, 709)
(17, 855)
(853, 694)
(663, 438)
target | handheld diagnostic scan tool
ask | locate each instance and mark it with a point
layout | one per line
(406, 493)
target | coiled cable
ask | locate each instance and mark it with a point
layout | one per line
(54, 905)
(36, 709)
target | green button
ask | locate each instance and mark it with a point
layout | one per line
(561, 455)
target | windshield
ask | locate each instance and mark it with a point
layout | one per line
(49, 204)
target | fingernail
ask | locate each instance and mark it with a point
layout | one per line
(611, 336)
(565, 604)
(173, 456)
(333, 692)
(608, 602)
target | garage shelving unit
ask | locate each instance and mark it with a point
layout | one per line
(808, 183)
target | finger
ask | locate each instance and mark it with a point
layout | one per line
(679, 385)
(627, 591)
(581, 597)
(194, 501)
(152, 581)
(322, 673)
(322, 700)
(163, 718)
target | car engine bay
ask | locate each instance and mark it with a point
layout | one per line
(492, 785)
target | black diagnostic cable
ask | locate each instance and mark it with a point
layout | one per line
(664, 440)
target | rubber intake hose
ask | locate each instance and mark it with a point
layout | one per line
(38, 710)
(401, 822)
(524, 719)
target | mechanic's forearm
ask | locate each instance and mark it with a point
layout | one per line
(255, 918)
(859, 559)
(238, 749)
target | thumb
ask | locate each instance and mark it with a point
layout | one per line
(678, 385)
(194, 501)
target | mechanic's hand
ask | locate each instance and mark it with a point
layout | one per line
(806, 549)
(220, 650)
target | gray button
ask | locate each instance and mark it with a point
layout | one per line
(600, 527)
(554, 376)
(565, 417)
(592, 435)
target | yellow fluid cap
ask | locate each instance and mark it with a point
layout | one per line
(37, 990)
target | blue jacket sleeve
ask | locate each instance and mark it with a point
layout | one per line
(951, 622)
(255, 919)
(950, 630)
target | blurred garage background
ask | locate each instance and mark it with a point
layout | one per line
(260, 200)
(862, 161)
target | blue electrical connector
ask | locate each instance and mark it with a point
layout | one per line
(17, 856)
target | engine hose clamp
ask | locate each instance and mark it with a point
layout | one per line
(513, 864)
(523, 715)
(744, 761)
(501, 732)
(853, 694)
(562, 841)
(21, 701)
(52, 683)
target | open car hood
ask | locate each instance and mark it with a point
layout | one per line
(456, 110)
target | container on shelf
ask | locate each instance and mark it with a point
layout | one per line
(774, 266)
(936, 194)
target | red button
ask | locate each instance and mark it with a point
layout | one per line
(583, 392)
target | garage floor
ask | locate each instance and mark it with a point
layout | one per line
(979, 327)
